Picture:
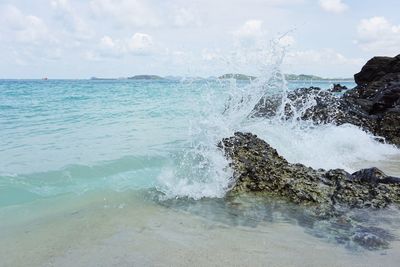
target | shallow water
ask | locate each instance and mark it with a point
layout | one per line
(102, 173)
(129, 228)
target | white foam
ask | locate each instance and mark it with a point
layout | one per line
(202, 170)
(324, 146)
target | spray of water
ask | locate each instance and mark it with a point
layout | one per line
(202, 171)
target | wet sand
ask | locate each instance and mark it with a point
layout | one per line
(126, 229)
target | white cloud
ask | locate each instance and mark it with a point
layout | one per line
(328, 60)
(324, 56)
(250, 35)
(208, 55)
(250, 29)
(60, 3)
(107, 42)
(333, 6)
(378, 35)
(185, 17)
(126, 12)
(22, 27)
(138, 44)
(72, 21)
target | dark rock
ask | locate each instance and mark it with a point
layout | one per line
(251, 209)
(378, 94)
(259, 168)
(389, 127)
(376, 68)
(315, 105)
(337, 88)
(372, 237)
(374, 105)
(304, 103)
(374, 176)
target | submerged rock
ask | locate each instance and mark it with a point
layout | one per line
(259, 168)
(373, 105)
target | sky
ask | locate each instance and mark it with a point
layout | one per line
(120, 38)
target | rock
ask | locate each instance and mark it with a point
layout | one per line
(373, 105)
(258, 168)
(304, 103)
(315, 105)
(372, 237)
(389, 127)
(376, 68)
(337, 88)
(374, 176)
(378, 94)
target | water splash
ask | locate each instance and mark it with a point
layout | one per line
(202, 171)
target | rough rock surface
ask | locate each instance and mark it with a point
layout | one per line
(259, 168)
(374, 104)
(378, 94)
(316, 105)
(337, 88)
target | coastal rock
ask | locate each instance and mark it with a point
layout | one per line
(337, 88)
(315, 105)
(378, 94)
(258, 168)
(376, 68)
(303, 103)
(373, 105)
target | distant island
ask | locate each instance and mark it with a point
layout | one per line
(289, 77)
(237, 76)
(227, 76)
(103, 79)
(146, 77)
(294, 77)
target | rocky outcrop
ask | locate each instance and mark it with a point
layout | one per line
(316, 105)
(338, 88)
(374, 104)
(378, 94)
(331, 204)
(259, 168)
(376, 68)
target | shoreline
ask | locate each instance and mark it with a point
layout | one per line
(91, 233)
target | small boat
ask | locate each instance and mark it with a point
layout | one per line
(45, 79)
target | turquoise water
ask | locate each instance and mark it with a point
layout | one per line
(74, 136)
(122, 173)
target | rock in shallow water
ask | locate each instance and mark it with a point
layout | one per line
(259, 168)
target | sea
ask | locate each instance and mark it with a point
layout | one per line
(127, 173)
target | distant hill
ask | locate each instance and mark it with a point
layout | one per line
(289, 77)
(173, 78)
(237, 76)
(146, 77)
(102, 79)
(305, 77)
(302, 77)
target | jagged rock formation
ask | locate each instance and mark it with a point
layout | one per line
(374, 104)
(329, 197)
(316, 105)
(337, 88)
(259, 168)
(378, 94)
